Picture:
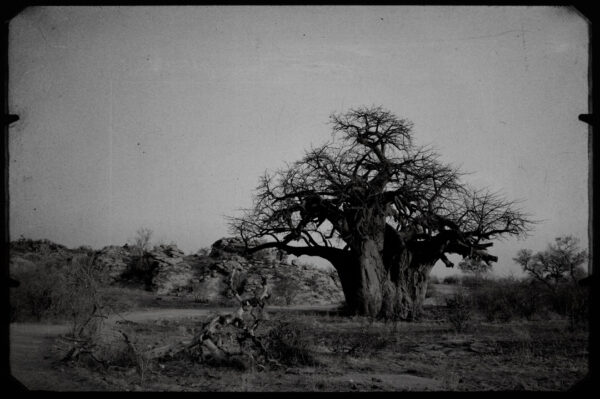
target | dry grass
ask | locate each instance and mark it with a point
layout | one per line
(355, 354)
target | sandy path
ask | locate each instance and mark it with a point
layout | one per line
(157, 314)
(31, 359)
(31, 362)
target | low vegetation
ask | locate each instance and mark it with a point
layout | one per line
(321, 352)
(477, 333)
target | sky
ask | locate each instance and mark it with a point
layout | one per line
(165, 117)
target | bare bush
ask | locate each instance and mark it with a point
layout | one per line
(140, 359)
(506, 299)
(286, 288)
(286, 344)
(141, 244)
(67, 290)
(229, 339)
(83, 305)
(366, 341)
(37, 296)
(452, 280)
(81, 299)
(472, 281)
(459, 311)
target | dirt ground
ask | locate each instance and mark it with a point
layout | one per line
(346, 354)
(32, 363)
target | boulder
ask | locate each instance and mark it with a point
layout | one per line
(203, 277)
(43, 247)
(170, 278)
(227, 266)
(227, 246)
(171, 272)
(167, 251)
(115, 260)
(210, 289)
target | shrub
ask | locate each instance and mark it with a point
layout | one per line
(459, 310)
(38, 295)
(141, 267)
(68, 291)
(472, 281)
(285, 343)
(42, 247)
(286, 289)
(571, 301)
(506, 299)
(84, 249)
(364, 342)
(578, 309)
(81, 299)
(452, 280)
(491, 300)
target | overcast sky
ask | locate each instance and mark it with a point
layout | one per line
(165, 117)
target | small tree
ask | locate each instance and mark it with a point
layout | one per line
(459, 310)
(559, 269)
(142, 245)
(560, 262)
(141, 242)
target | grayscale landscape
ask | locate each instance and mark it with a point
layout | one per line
(316, 198)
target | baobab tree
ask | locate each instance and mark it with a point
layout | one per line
(381, 209)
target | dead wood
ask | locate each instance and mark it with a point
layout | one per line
(210, 341)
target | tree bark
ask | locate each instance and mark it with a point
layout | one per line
(387, 278)
(405, 290)
(370, 273)
(394, 292)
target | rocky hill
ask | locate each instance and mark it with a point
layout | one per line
(203, 278)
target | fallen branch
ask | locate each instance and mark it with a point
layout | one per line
(245, 319)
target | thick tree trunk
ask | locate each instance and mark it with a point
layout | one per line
(370, 272)
(404, 290)
(380, 275)
(361, 273)
(390, 283)
(396, 293)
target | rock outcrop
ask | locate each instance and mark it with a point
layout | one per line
(197, 277)
(114, 260)
(228, 247)
(27, 256)
(170, 270)
(292, 283)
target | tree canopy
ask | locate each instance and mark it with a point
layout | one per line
(371, 168)
(561, 261)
